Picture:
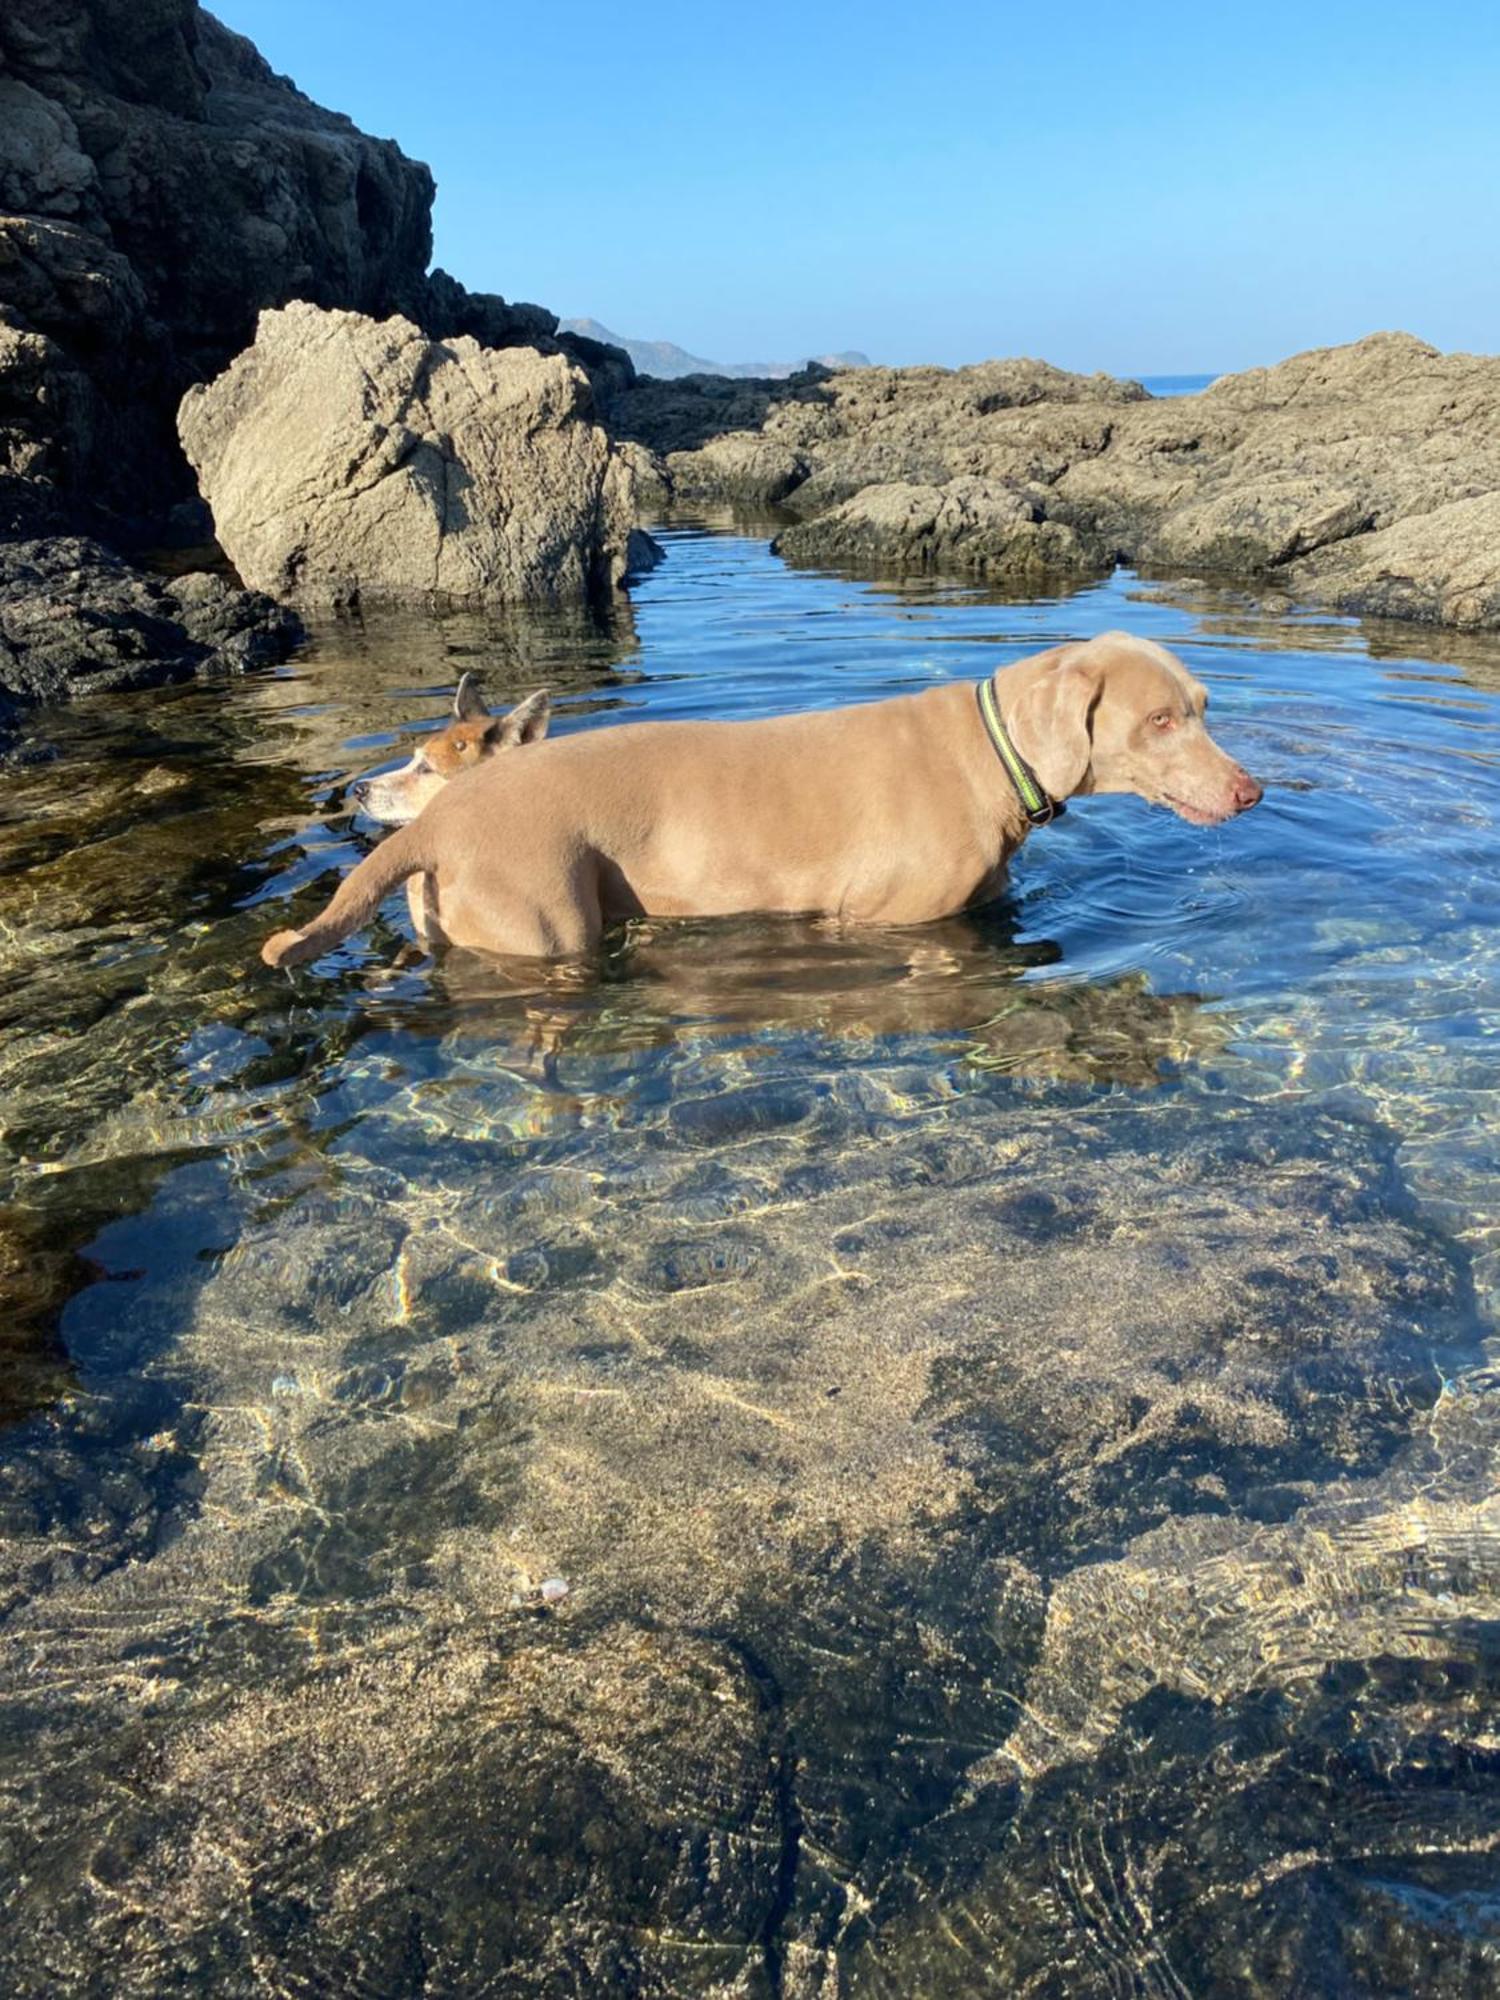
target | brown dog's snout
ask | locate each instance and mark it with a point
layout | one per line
(359, 791)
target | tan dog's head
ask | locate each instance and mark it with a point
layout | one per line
(1118, 714)
(474, 734)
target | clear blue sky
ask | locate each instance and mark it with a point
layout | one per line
(1144, 189)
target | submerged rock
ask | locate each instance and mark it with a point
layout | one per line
(433, 469)
(1020, 1438)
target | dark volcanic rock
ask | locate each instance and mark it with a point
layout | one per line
(75, 619)
(159, 187)
(163, 185)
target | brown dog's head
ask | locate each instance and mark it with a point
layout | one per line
(474, 734)
(1119, 714)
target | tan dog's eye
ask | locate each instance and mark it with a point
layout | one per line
(1163, 719)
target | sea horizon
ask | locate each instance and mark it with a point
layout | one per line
(1175, 385)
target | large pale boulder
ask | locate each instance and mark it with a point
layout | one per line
(348, 458)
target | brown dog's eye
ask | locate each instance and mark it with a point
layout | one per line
(1163, 719)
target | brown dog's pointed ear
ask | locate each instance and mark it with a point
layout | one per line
(1049, 723)
(527, 721)
(468, 702)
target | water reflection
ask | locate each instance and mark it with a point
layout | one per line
(956, 986)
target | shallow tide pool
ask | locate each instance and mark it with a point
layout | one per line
(794, 1461)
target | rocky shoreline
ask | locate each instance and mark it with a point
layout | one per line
(160, 188)
(77, 620)
(1365, 477)
(181, 227)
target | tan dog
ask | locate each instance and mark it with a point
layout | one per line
(891, 812)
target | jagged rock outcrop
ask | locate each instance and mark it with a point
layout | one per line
(159, 187)
(858, 427)
(434, 469)
(75, 619)
(1279, 466)
(1442, 568)
(1363, 476)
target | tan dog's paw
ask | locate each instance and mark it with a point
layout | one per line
(284, 948)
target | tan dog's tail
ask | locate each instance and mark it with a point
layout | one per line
(360, 894)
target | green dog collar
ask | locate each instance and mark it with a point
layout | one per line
(1038, 808)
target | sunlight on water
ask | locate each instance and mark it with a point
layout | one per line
(803, 1461)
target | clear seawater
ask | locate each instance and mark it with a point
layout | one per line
(790, 1461)
(1175, 385)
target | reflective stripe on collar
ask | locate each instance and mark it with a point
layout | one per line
(1036, 805)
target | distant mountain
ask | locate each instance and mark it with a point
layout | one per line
(666, 360)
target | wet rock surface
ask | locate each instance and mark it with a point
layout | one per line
(965, 524)
(437, 469)
(76, 620)
(1364, 476)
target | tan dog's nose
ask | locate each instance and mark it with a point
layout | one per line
(1245, 792)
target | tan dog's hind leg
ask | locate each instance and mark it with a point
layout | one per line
(422, 903)
(359, 896)
(556, 918)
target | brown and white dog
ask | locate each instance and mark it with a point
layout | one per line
(472, 735)
(396, 797)
(893, 812)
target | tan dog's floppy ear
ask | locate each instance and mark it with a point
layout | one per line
(468, 702)
(1049, 723)
(527, 721)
